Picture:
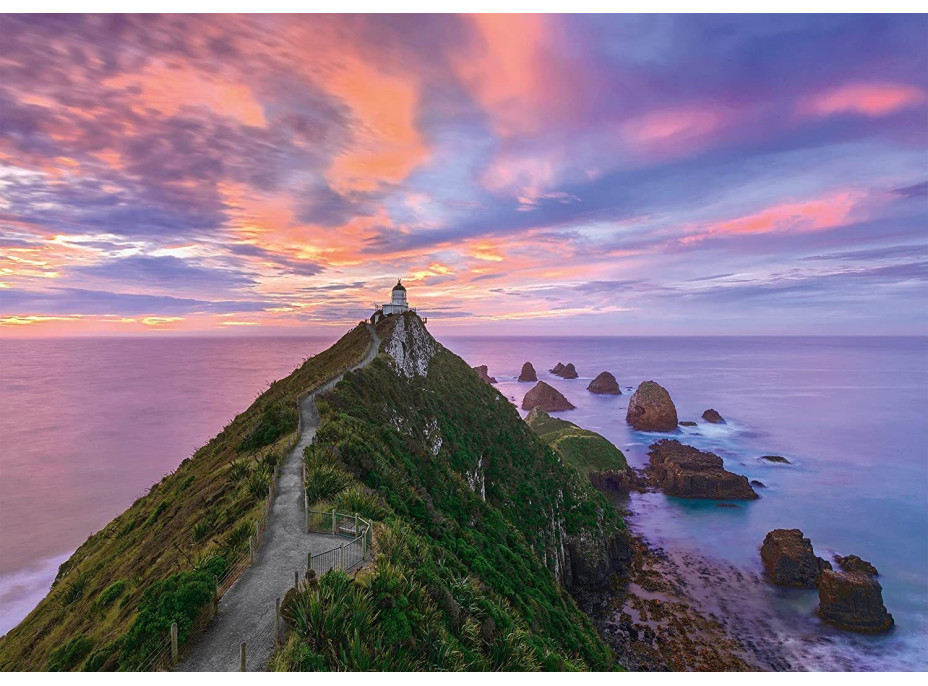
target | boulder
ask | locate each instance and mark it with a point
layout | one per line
(547, 398)
(713, 417)
(687, 423)
(758, 484)
(482, 373)
(852, 601)
(789, 559)
(651, 409)
(853, 563)
(779, 459)
(528, 373)
(686, 472)
(604, 384)
(557, 369)
(569, 371)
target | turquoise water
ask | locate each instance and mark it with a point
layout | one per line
(89, 424)
(851, 414)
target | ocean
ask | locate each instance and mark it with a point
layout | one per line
(88, 424)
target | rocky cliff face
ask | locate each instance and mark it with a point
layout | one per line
(409, 346)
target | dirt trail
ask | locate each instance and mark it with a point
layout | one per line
(246, 611)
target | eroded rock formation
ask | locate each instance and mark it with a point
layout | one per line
(604, 384)
(547, 398)
(684, 471)
(789, 559)
(482, 373)
(528, 373)
(853, 601)
(651, 409)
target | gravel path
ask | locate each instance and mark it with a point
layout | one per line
(246, 611)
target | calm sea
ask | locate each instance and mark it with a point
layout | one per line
(88, 424)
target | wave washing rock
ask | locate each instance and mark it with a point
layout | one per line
(651, 409)
(547, 398)
(528, 373)
(604, 384)
(482, 373)
(713, 417)
(687, 423)
(686, 472)
(852, 601)
(853, 563)
(778, 459)
(789, 559)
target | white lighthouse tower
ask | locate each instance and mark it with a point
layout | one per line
(398, 302)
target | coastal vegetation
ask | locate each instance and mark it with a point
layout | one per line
(584, 450)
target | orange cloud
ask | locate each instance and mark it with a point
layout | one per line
(871, 100)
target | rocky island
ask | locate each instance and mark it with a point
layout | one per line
(528, 373)
(651, 409)
(604, 384)
(686, 472)
(547, 398)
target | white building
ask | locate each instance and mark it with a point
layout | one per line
(398, 302)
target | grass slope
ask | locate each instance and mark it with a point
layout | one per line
(473, 515)
(586, 451)
(116, 595)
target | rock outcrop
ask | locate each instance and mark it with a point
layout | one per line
(758, 484)
(528, 373)
(604, 384)
(482, 373)
(778, 459)
(569, 371)
(853, 563)
(687, 423)
(686, 472)
(789, 559)
(712, 417)
(651, 409)
(557, 369)
(547, 398)
(852, 601)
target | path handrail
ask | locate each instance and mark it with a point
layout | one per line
(346, 555)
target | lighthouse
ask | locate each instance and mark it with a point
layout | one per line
(398, 303)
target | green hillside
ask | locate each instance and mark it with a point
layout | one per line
(117, 595)
(476, 522)
(586, 451)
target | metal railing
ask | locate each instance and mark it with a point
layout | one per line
(346, 555)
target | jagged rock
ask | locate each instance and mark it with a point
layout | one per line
(482, 373)
(853, 563)
(779, 459)
(758, 484)
(687, 423)
(686, 472)
(713, 417)
(547, 398)
(557, 369)
(651, 409)
(604, 384)
(409, 346)
(789, 559)
(528, 373)
(852, 601)
(569, 371)
(590, 569)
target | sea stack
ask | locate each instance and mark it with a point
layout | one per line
(528, 373)
(482, 373)
(713, 417)
(547, 398)
(604, 384)
(853, 601)
(789, 559)
(569, 371)
(651, 409)
(687, 472)
(557, 369)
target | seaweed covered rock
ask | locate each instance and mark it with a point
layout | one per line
(789, 559)
(686, 472)
(482, 372)
(651, 409)
(712, 417)
(528, 373)
(547, 398)
(852, 601)
(604, 384)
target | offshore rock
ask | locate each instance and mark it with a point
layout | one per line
(853, 601)
(789, 559)
(686, 472)
(604, 384)
(569, 371)
(547, 398)
(713, 417)
(853, 563)
(778, 459)
(651, 409)
(482, 373)
(528, 373)
(557, 369)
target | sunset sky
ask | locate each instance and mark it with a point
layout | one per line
(612, 175)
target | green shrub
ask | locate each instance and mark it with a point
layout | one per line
(69, 655)
(200, 529)
(325, 481)
(162, 506)
(356, 499)
(237, 539)
(109, 594)
(74, 590)
(238, 470)
(277, 419)
(258, 484)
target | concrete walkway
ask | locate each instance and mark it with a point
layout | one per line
(246, 611)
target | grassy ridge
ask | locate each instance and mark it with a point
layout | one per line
(473, 515)
(155, 563)
(586, 451)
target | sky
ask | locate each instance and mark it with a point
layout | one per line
(542, 175)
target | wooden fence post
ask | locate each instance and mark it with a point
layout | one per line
(251, 549)
(296, 579)
(174, 643)
(309, 561)
(277, 623)
(333, 521)
(364, 545)
(341, 555)
(241, 666)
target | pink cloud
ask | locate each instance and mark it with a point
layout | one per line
(867, 99)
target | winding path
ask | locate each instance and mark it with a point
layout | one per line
(246, 611)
